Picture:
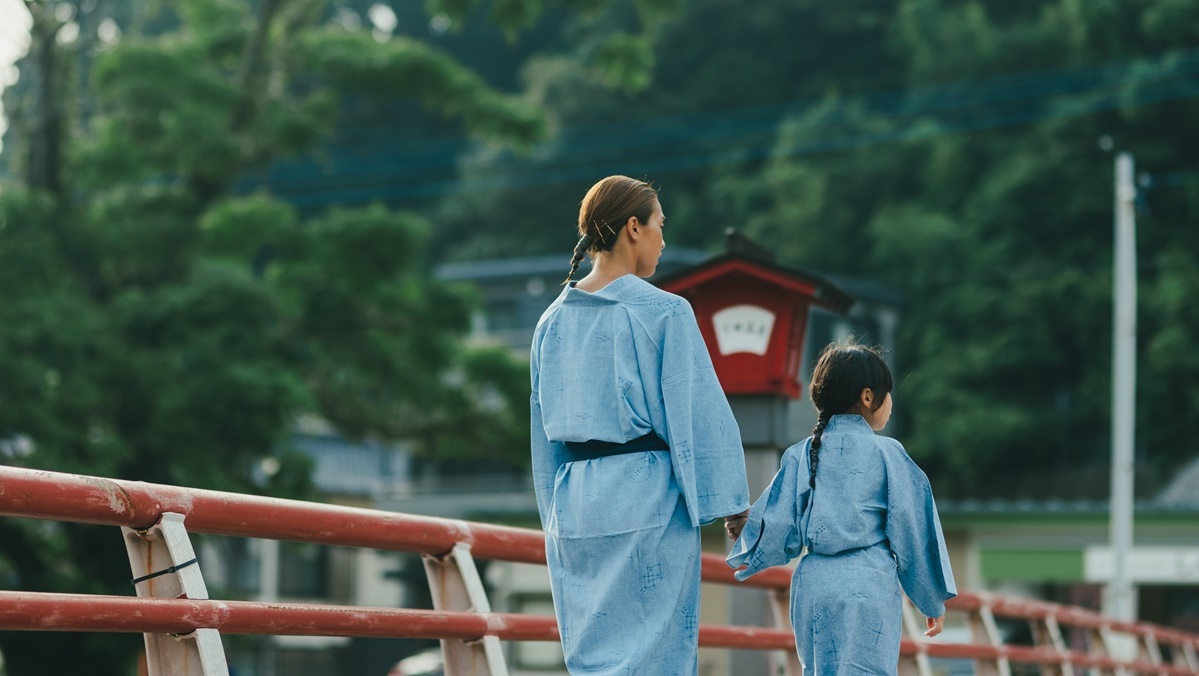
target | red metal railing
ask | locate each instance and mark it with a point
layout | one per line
(139, 506)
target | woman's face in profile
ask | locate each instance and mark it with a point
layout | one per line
(651, 242)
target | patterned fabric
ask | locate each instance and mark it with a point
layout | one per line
(628, 602)
(622, 538)
(869, 527)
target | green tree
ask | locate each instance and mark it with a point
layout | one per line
(988, 203)
(947, 149)
(162, 323)
(724, 74)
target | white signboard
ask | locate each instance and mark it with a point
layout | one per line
(743, 328)
(1145, 564)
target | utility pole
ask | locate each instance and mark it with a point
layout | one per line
(1124, 379)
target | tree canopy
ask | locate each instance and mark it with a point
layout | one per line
(959, 152)
(166, 319)
(225, 213)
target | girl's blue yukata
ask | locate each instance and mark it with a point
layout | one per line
(622, 531)
(869, 526)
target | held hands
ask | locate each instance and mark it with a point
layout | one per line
(934, 626)
(733, 524)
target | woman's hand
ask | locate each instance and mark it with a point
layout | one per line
(934, 626)
(733, 524)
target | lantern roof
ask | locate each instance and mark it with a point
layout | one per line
(745, 257)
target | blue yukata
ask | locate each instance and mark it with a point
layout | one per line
(622, 531)
(869, 526)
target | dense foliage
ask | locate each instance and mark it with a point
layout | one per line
(225, 215)
(959, 152)
(164, 322)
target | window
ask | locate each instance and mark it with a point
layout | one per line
(230, 564)
(503, 314)
(303, 570)
(243, 565)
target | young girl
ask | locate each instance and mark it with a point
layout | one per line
(865, 513)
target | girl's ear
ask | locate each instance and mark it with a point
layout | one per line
(631, 226)
(866, 399)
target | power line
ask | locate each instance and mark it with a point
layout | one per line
(518, 174)
(1174, 179)
(431, 168)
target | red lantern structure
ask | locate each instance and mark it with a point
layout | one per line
(753, 315)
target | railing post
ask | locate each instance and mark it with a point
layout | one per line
(1149, 649)
(1054, 630)
(1186, 656)
(164, 565)
(983, 629)
(1112, 644)
(1099, 644)
(455, 585)
(919, 664)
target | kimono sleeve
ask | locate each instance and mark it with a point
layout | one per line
(545, 453)
(914, 531)
(705, 442)
(773, 535)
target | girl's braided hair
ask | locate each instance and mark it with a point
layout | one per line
(605, 209)
(843, 370)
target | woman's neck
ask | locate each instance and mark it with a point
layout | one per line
(606, 268)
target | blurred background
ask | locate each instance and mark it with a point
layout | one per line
(298, 247)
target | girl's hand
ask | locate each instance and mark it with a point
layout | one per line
(733, 524)
(934, 626)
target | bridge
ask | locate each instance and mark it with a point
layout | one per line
(183, 626)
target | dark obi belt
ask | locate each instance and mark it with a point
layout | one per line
(590, 450)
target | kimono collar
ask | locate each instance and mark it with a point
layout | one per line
(615, 292)
(848, 423)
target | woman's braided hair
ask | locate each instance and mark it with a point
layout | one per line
(843, 370)
(606, 207)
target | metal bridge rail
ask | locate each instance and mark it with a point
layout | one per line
(182, 627)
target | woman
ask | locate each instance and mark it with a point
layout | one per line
(634, 446)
